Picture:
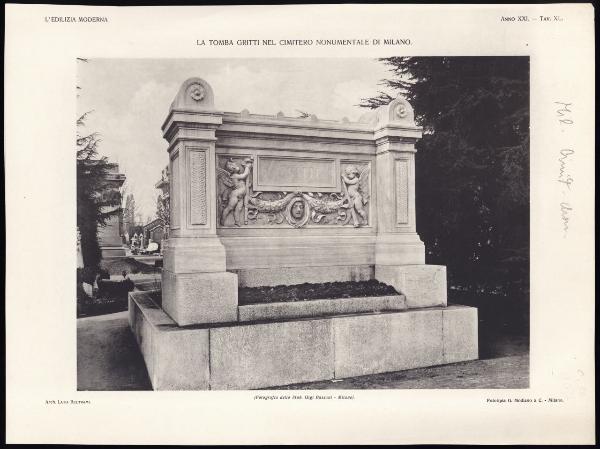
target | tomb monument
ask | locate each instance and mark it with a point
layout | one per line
(265, 200)
(110, 235)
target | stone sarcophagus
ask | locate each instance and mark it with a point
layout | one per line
(267, 200)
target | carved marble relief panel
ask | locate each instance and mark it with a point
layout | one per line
(241, 203)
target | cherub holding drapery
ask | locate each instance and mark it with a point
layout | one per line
(236, 179)
(356, 186)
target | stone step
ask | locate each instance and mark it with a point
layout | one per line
(249, 355)
(320, 307)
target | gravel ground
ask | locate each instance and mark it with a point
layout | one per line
(108, 359)
(107, 355)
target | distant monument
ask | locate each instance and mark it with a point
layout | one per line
(110, 236)
(163, 205)
(258, 200)
(155, 230)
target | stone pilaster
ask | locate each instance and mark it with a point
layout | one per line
(399, 252)
(395, 135)
(194, 277)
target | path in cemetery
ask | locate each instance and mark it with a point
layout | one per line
(107, 355)
(108, 359)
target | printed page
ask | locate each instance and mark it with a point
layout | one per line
(300, 224)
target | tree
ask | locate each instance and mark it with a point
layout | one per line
(94, 207)
(129, 214)
(472, 178)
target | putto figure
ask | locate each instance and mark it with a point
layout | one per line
(356, 184)
(236, 178)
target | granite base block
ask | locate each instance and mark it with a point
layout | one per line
(423, 285)
(460, 334)
(176, 358)
(263, 355)
(198, 298)
(269, 354)
(388, 342)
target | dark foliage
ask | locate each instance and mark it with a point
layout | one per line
(472, 177)
(93, 208)
(114, 289)
(86, 274)
(110, 297)
(83, 300)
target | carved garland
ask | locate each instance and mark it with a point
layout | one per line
(239, 205)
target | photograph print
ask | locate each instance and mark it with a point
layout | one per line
(288, 223)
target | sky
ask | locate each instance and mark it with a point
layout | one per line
(130, 98)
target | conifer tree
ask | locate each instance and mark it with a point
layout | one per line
(94, 206)
(472, 177)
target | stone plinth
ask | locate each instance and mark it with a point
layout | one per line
(388, 342)
(262, 354)
(200, 297)
(319, 308)
(175, 359)
(258, 200)
(423, 285)
(108, 252)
